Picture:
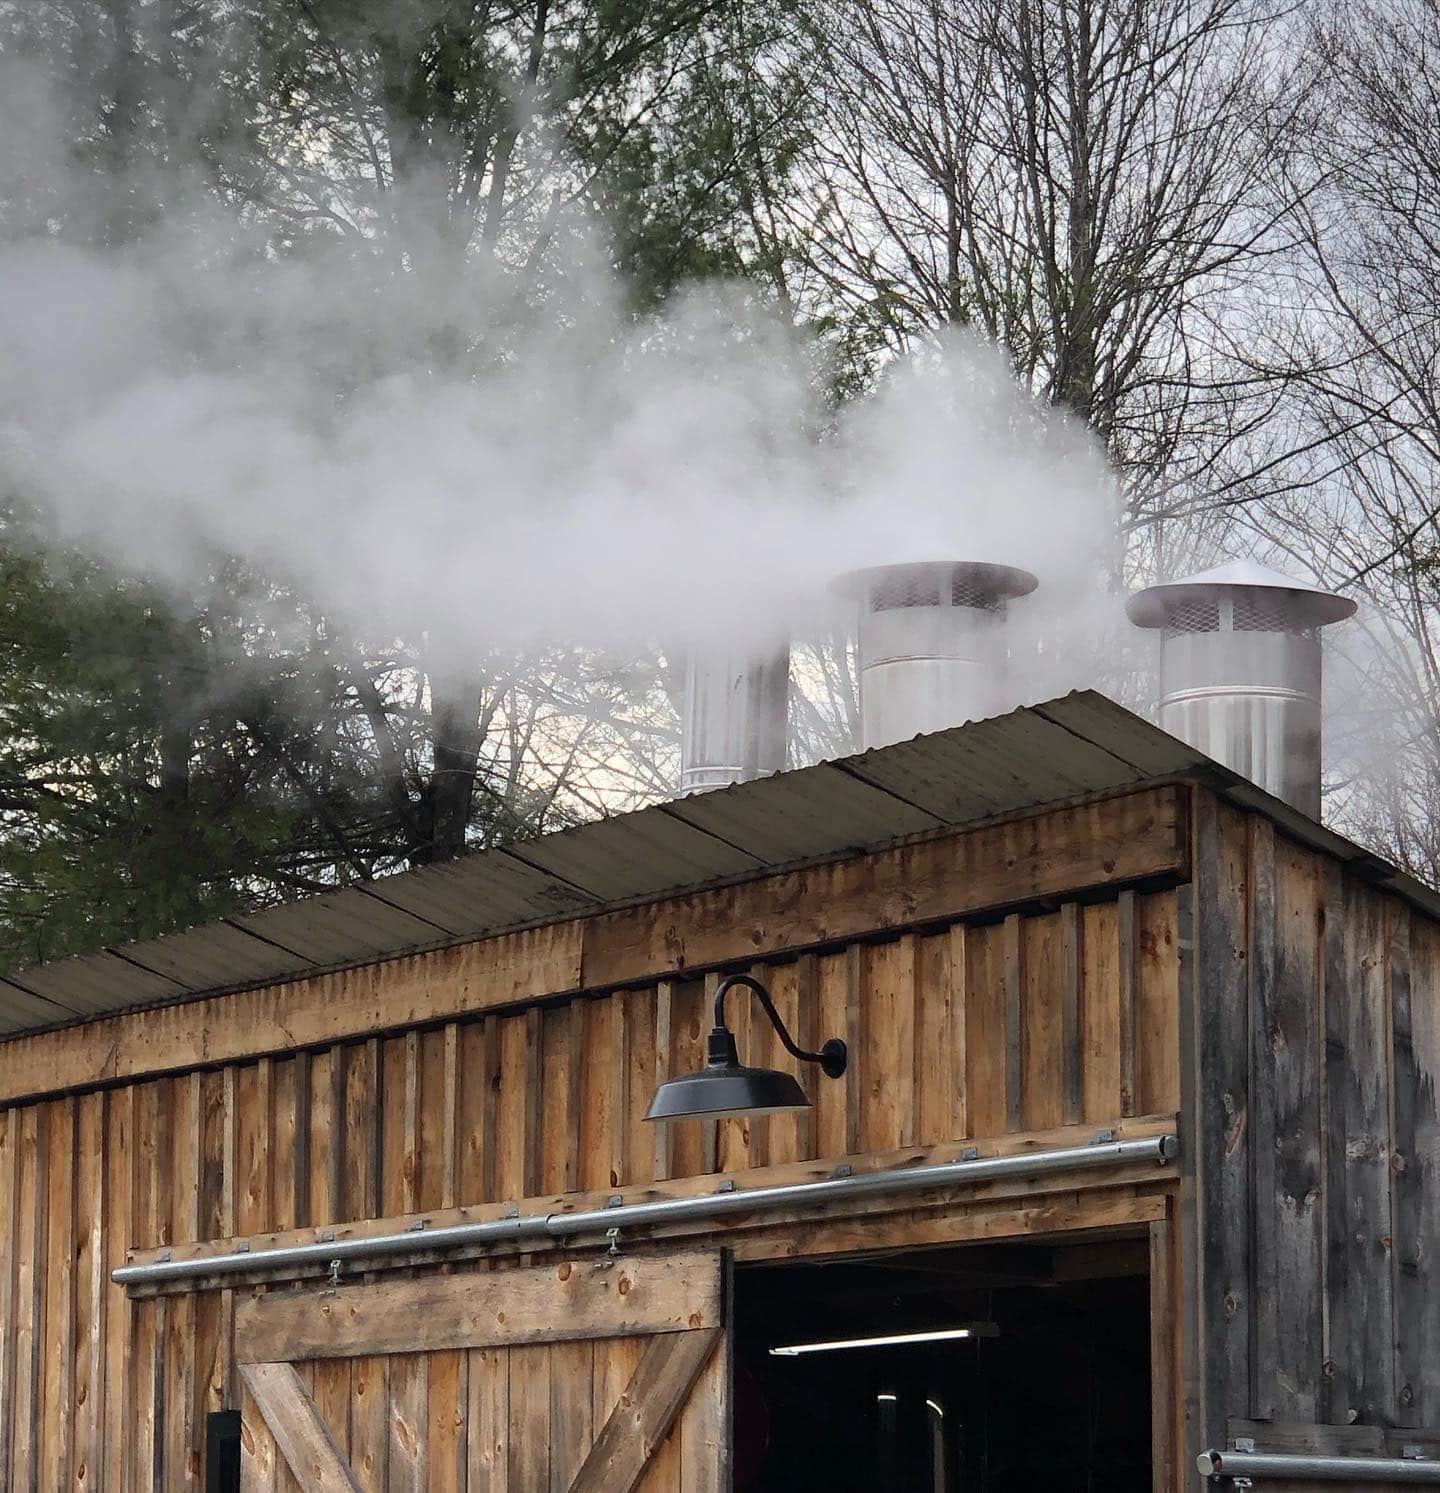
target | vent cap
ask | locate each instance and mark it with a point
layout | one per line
(1193, 604)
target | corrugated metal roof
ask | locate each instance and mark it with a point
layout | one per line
(1079, 745)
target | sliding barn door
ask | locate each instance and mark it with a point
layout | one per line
(569, 1376)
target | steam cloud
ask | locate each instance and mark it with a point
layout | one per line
(423, 449)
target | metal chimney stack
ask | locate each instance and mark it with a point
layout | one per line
(932, 648)
(1240, 671)
(735, 719)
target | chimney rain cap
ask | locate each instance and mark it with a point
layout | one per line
(1308, 605)
(974, 576)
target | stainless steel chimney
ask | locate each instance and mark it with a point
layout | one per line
(734, 719)
(1240, 671)
(932, 649)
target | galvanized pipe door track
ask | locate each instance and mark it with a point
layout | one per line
(1242, 1468)
(537, 1228)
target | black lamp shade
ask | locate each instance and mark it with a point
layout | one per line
(719, 1090)
(726, 1087)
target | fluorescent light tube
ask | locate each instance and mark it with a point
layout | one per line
(940, 1335)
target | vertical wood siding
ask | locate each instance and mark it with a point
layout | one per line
(1315, 1024)
(1068, 1016)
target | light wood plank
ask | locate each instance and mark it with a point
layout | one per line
(856, 970)
(260, 1458)
(619, 1081)
(369, 1423)
(410, 1126)
(93, 1289)
(709, 1129)
(57, 1354)
(1072, 959)
(10, 1226)
(450, 1121)
(1125, 934)
(447, 1426)
(575, 1019)
(120, 1111)
(528, 1447)
(700, 1429)
(434, 1137)
(1014, 978)
(638, 1294)
(182, 1429)
(572, 1375)
(957, 1107)
(472, 1139)
(490, 1069)
(409, 1421)
(300, 1432)
(29, 1297)
(1101, 1080)
(1042, 1043)
(487, 1464)
(1157, 976)
(362, 1130)
(663, 1141)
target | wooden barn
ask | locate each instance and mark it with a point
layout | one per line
(1129, 1180)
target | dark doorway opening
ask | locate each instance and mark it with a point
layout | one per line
(1048, 1388)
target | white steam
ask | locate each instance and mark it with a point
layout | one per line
(423, 451)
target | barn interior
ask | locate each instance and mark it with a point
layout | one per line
(852, 1375)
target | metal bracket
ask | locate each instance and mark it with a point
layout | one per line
(970, 1153)
(1244, 1443)
(332, 1281)
(1104, 1137)
(418, 1225)
(613, 1253)
(843, 1170)
(728, 1185)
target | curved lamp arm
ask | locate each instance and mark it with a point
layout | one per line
(832, 1057)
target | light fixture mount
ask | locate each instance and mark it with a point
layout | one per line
(725, 1086)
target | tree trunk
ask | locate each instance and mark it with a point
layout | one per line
(455, 733)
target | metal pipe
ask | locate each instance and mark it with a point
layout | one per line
(1317, 1468)
(931, 644)
(534, 1228)
(1240, 671)
(734, 719)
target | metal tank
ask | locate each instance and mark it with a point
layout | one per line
(932, 644)
(734, 718)
(1240, 671)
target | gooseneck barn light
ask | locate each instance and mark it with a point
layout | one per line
(726, 1087)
